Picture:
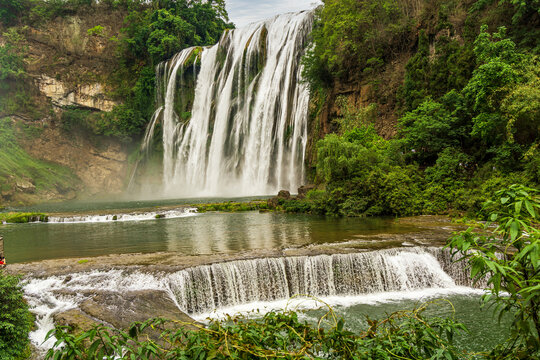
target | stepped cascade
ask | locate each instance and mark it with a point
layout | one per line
(202, 289)
(244, 129)
(206, 288)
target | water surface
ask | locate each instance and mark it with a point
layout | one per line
(208, 233)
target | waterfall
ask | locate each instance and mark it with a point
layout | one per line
(244, 132)
(203, 289)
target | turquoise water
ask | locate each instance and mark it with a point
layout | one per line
(484, 331)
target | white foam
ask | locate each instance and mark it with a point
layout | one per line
(255, 309)
(151, 215)
(56, 294)
(244, 286)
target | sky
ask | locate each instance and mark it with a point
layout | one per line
(243, 12)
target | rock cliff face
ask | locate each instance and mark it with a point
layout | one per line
(100, 165)
(68, 67)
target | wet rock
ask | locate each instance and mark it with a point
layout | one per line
(75, 319)
(284, 194)
(120, 310)
(275, 201)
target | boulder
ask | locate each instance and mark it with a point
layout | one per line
(120, 310)
(282, 195)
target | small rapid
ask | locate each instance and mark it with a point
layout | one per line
(135, 216)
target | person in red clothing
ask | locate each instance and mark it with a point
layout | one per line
(2, 261)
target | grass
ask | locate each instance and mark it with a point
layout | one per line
(15, 164)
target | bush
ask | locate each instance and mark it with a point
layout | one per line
(509, 259)
(12, 56)
(452, 164)
(278, 335)
(15, 319)
(96, 31)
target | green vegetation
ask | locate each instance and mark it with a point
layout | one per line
(18, 217)
(11, 56)
(17, 167)
(405, 334)
(15, 319)
(153, 32)
(231, 206)
(510, 259)
(352, 37)
(468, 107)
(96, 31)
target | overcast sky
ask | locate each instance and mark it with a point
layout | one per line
(243, 12)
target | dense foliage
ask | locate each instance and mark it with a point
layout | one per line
(153, 31)
(15, 319)
(404, 334)
(468, 105)
(355, 36)
(154, 34)
(509, 258)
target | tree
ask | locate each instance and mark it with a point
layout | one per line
(10, 10)
(428, 130)
(509, 258)
(499, 71)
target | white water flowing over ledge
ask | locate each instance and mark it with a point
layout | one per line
(247, 131)
(265, 284)
(139, 216)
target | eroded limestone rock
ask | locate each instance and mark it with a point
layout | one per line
(88, 96)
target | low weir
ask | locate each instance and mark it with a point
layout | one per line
(203, 289)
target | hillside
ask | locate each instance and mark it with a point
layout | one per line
(77, 89)
(434, 104)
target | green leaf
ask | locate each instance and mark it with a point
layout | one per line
(518, 207)
(530, 209)
(514, 230)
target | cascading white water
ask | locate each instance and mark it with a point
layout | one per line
(248, 128)
(139, 216)
(118, 217)
(203, 289)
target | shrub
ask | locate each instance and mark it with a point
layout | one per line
(96, 31)
(509, 259)
(15, 319)
(278, 335)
